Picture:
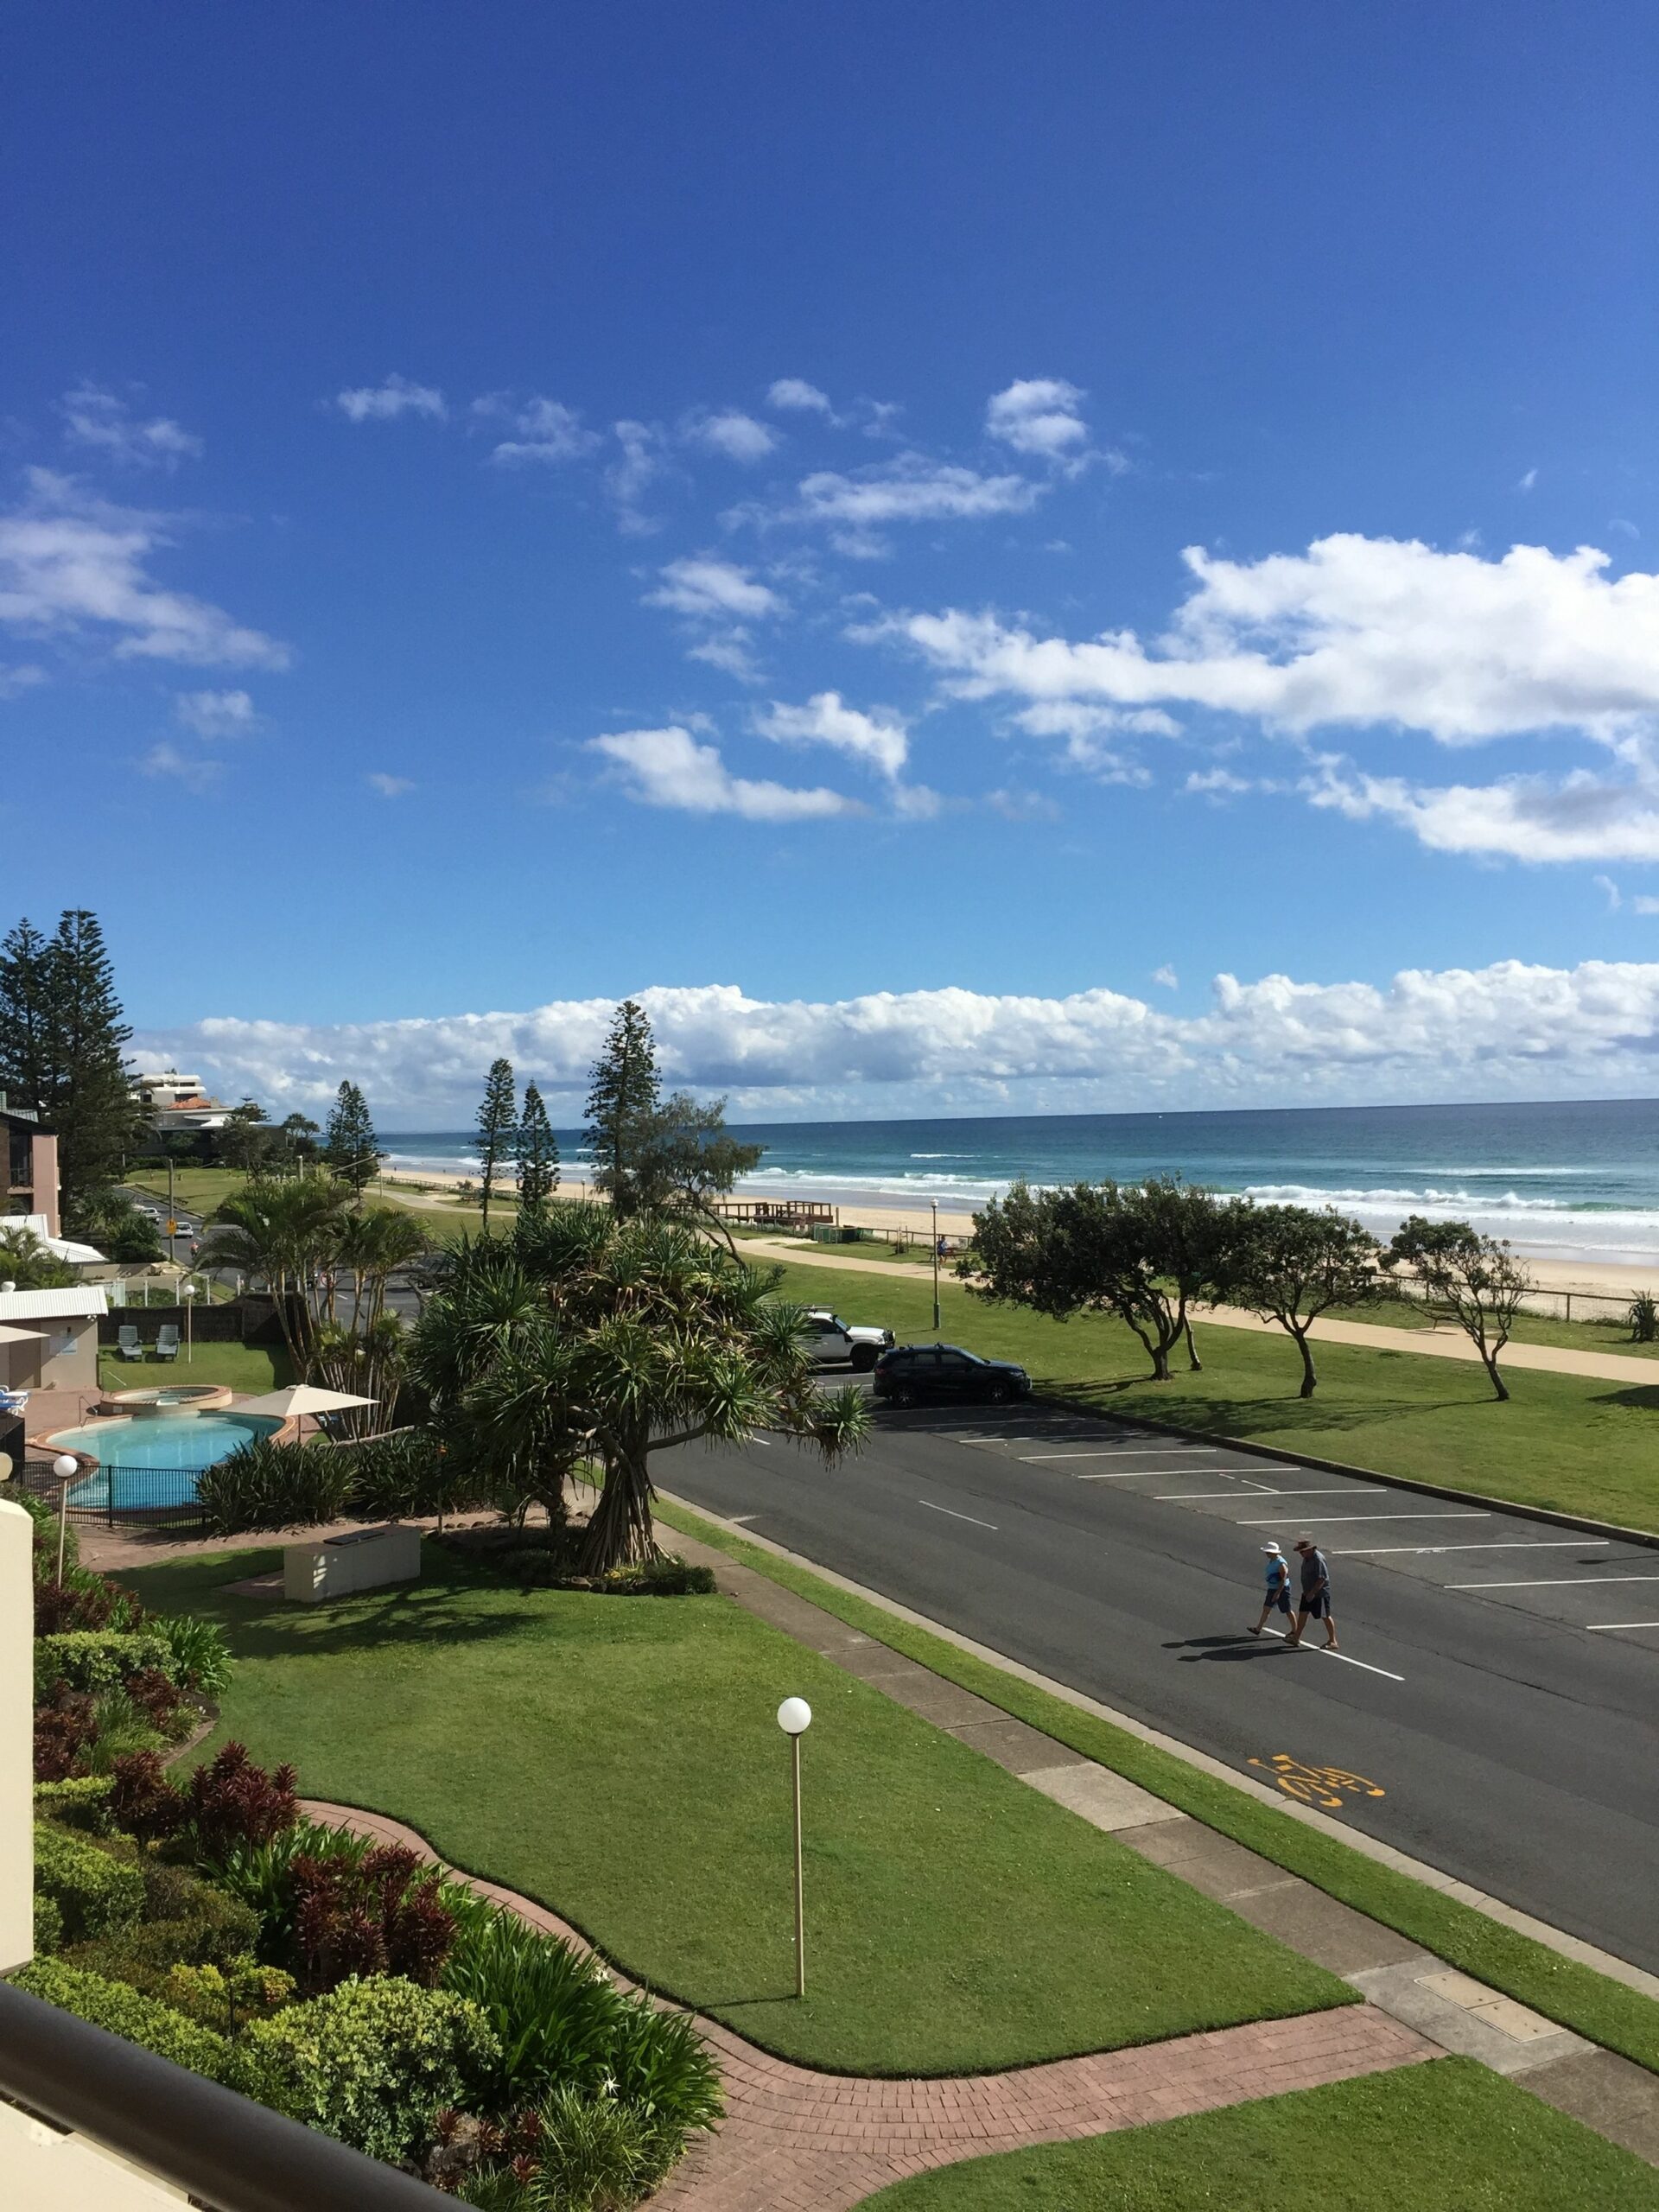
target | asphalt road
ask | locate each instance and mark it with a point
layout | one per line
(1500, 1677)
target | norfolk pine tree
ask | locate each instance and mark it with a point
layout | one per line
(537, 1152)
(63, 1043)
(350, 1146)
(622, 1106)
(498, 1118)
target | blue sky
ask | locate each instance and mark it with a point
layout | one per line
(505, 510)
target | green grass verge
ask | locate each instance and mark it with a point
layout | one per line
(1609, 1333)
(619, 1759)
(1579, 1998)
(1445, 2137)
(1570, 1442)
(249, 1368)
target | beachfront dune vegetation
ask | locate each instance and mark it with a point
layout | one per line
(1150, 1253)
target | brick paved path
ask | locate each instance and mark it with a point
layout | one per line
(797, 2141)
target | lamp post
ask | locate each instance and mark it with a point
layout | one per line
(66, 1467)
(795, 1718)
(190, 1331)
(935, 1204)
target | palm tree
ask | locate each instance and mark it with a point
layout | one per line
(652, 1337)
(288, 1232)
(371, 1247)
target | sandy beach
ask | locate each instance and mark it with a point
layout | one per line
(1600, 1278)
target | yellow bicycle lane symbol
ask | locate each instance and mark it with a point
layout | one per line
(1324, 1786)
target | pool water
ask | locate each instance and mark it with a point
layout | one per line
(156, 1460)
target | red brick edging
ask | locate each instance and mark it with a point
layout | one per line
(797, 2141)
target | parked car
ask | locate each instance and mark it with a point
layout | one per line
(831, 1340)
(910, 1373)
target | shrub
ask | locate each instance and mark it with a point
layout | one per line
(555, 2011)
(94, 1889)
(666, 1577)
(98, 1659)
(231, 1801)
(63, 1729)
(226, 1998)
(266, 1485)
(662, 2067)
(1643, 1318)
(161, 1703)
(126, 2012)
(582, 2154)
(120, 1726)
(371, 2064)
(82, 1801)
(356, 1917)
(142, 1800)
(403, 1476)
(202, 1658)
(82, 1600)
(553, 1567)
(48, 1926)
(187, 1923)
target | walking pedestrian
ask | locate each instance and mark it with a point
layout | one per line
(1277, 1569)
(1316, 1595)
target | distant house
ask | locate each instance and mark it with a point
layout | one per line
(30, 1160)
(178, 1105)
(63, 1356)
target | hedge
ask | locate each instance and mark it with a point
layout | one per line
(123, 2012)
(95, 1659)
(94, 1892)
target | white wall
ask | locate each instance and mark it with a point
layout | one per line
(17, 1738)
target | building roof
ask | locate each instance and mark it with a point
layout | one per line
(85, 1302)
(61, 1248)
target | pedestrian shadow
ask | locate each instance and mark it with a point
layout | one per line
(1194, 1647)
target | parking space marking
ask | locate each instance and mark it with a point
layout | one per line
(955, 1516)
(1336, 1520)
(1133, 1474)
(1325, 1653)
(1513, 1544)
(1116, 1450)
(1565, 1582)
(1257, 1489)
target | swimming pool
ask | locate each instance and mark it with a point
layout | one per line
(155, 1461)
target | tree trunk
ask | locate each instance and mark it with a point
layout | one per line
(620, 1530)
(1159, 1361)
(1193, 1361)
(1310, 1380)
(1500, 1388)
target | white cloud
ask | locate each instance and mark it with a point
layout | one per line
(388, 786)
(1528, 480)
(22, 675)
(68, 562)
(105, 422)
(633, 473)
(384, 402)
(728, 650)
(878, 741)
(543, 430)
(733, 433)
(1217, 782)
(1609, 891)
(1357, 632)
(1509, 1030)
(793, 395)
(190, 768)
(704, 588)
(1165, 978)
(1086, 729)
(1642, 904)
(1022, 806)
(1039, 416)
(912, 488)
(216, 713)
(669, 768)
(1578, 816)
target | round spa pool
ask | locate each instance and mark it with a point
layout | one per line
(155, 1461)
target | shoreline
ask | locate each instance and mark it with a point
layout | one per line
(1602, 1278)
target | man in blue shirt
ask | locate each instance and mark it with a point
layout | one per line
(1316, 1594)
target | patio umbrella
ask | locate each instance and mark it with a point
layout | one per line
(303, 1398)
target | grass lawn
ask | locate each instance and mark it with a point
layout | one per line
(249, 1368)
(619, 1759)
(1576, 1443)
(1578, 1997)
(1609, 1333)
(1445, 2136)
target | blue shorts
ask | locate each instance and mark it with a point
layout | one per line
(1280, 1599)
(1318, 1607)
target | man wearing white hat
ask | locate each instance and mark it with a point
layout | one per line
(1277, 1567)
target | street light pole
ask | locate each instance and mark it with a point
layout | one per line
(190, 1331)
(935, 1204)
(795, 1718)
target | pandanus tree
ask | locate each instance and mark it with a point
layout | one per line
(649, 1336)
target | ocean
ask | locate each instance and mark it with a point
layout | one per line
(1562, 1181)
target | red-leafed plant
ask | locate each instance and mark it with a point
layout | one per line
(158, 1697)
(369, 1916)
(231, 1801)
(62, 1732)
(142, 1801)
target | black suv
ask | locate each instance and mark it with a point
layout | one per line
(910, 1373)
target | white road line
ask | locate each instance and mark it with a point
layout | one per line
(1343, 1655)
(1593, 1625)
(1116, 1450)
(742, 1520)
(1423, 1551)
(1335, 1520)
(1136, 1474)
(955, 1516)
(1566, 1582)
(1166, 1497)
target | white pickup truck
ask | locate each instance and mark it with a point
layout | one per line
(832, 1342)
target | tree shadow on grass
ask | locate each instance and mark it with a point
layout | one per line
(437, 1617)
(1641, 1397)
(1284, 1418)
